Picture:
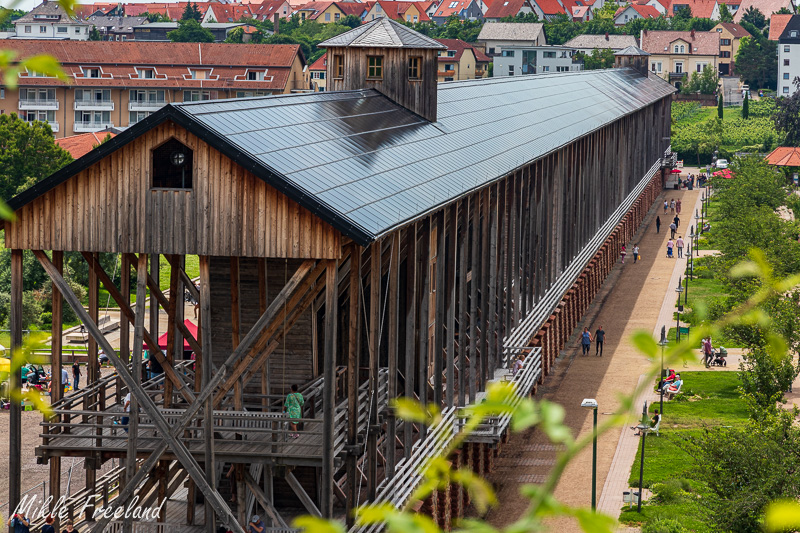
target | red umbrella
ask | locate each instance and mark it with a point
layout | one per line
(676, 171)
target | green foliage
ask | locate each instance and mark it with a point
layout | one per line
(787, 116)
(157, 17)
(757, 61)
(704, 83)
(720, 108)
(190, 31)
(8, 18)
(681, 110)
(665, 525)
(46, 318)
(236, 35)
(28, 154)
(725, 14)
(765, 377)
(746, 107)
(755, 17)
(191, 12)
(94, 35)
(351, 21)
(598, 59)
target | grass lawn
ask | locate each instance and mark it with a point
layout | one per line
(708, 399)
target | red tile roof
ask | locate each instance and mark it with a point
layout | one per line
(700, 8)
(80, 145)
(171, 61)
(645, 11)
(230, 12)
(444, 9)
(172, 10)
(550, 7)
(504, 8)
(785, 156)
(777, 24)
(397, 10)
(459, 46)
(737, 31)
(767, 7)
(320, 64)
(658, 42)
(267, 9)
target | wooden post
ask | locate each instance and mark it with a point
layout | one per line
(451, 268)
(154, 267)
(473, 297)
(92, 374)
(463, 333)
(485, 322)
(136, 367)
(262, 306)
(238, 392)
(56, 385)
(354, 316)
(441, 303)
(393, 339)
(124, 326)
(15, 384)
(374, 354)
(492, 321)
(329, 386)
(423, 319)
(208, 410)
(412, 257)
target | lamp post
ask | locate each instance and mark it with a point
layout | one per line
(662, 343)
(590, 403)
(679, 290)
(642, 427)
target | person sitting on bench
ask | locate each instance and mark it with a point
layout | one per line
(653, 423)
(668, 380)
(675, 386)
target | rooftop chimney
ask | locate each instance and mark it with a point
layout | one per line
(606, 36)
(276, 25)
(692, 35)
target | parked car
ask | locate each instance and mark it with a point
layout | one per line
(721, 163)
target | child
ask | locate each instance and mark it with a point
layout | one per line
(623, 253)
(635, 253)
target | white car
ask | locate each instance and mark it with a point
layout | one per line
(722, 163)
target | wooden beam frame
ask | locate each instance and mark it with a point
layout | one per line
(374, 355)
(412, 258)
(273, 513)
(329, 386)
(353, 342)
(393, 347)
(301, 493)
(169, 439)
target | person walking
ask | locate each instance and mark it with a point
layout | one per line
(126, 407)
(672, 206)
(670, 245)
(678, 205)
(658, 224)
(293, 407)
(666, 206)
(586, 340)
(600, 338)
(76, 375)
(708, 350)
(622, 253)
(679, 243)
(677, 221)
(635, 253)
(672, 229)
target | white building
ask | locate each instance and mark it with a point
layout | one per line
(587, 43)
(521, 60)
(498, 36)
(788, 57)
(50, 21)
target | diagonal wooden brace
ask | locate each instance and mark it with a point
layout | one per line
(126, 310)
(187, 281)
(170, 440)
(262, 499)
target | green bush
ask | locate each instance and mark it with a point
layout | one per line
(46, 318)
(664, 525)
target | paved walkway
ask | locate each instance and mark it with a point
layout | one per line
(631, 299)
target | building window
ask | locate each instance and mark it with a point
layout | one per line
(793, 34)
(725, 54)
(255, 76)
(42, 29)
(199, 74)
(62, 29)
(451, 53)
(27, 29)
(725, 42)
(2, 94)
(374, 67)
(196, 96)
(548, 55)
(337, 16)
(786, 75)
(136, 116)
(91, 73)
(250, 94)
(785, 90)
(545, 69)
(413, 68)
(449, 66)
(785, 62)
(449, 78)
(491, 51)
(679, 68)
(327, 17)
(511, 70)
(172, 166)
(786, 48)
(700, 67)
(508, 53)
(683, 49)
(78, 30)
(146, 73)
(338, 66)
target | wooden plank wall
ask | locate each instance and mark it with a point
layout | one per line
(110, 207)
(295, 365)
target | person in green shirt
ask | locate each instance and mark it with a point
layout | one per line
(293, 407)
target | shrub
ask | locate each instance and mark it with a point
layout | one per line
(46, 317)
(664, 525)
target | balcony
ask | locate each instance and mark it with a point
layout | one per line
(88, 127)
(479, 72)
(146, 105)
(94, 105)
(447, 73)
(53, 125)
(676, 75)
(34, 104)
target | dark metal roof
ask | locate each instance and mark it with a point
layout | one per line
(632, 51)
(366, 165)
(382, 32)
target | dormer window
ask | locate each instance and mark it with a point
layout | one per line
(414, 68)
(145, 73)
(793, 34)
(374, 67)
(255, 76)
(91, 73)
(172, 166)
(451, 53)
(199, 74)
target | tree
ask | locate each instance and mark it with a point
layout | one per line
(351, 21)
(191, 12)
(236, 35)
(754, 16)
(598, 59)
(157, 17)
(765, 378)
(787, 117)
(94, 35)
(720, 108)
(28, 153)
(725, 14)
(704, 83)
(757, 61)
(682, 14)
(784, 11)
(190, 31)
(746, 106)
(607, 11)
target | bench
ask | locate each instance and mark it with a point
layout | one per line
(105, 323)
(671, 394)
(654, 429)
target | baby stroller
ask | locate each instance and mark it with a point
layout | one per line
(718, 357)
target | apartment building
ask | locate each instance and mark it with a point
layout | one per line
(789, 57)
(517, 61)
(117, 84)
(462, 61)
(674, 55)
(50, 21)
(730, 36)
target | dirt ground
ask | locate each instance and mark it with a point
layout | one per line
(629, 300)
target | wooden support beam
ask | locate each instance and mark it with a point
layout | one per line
(209, 463)
(124, 326)
(486, 213)
(264, 501)
(15, 384)
(440, 293)
(394, 341)
(451, 267)
(185, 279)
(127, 312)
(475, 268)
(301, 493)
(262, 306)
(463, 333)
(155, 263)
(167, 433)
(329, 386)
(136, 372)
(353, 342)
(56, 385)
(374, 355)
(174, 300)
(492, 331)
(423, 319)
(412, 258)
(92, 375)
